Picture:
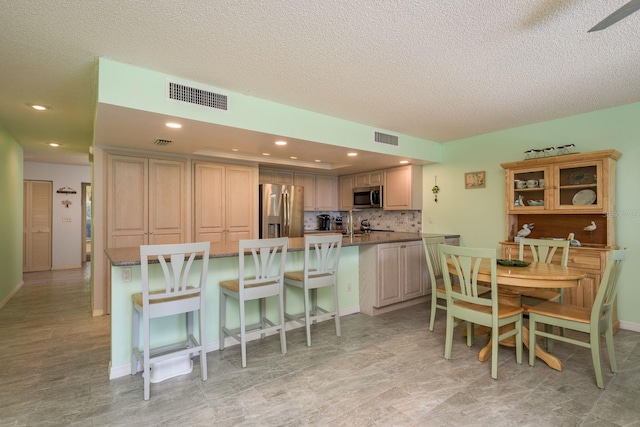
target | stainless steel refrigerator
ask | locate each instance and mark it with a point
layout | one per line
(281, 210)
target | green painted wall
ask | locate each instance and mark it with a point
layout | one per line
(133, 87)
(11, 173)
(478, 215)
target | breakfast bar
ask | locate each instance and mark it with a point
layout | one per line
(223, 265)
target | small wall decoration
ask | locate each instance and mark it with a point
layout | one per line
(66, 190)
(66, 203)
(474, 180)
(435, 190)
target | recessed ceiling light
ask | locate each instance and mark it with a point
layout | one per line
(317, 160)
(293, 157)
(404, 162)
(234, 149)
(266, 154)
(39, 107)
(173, 125)
(54, 144)
(352, 154)
(281, 142)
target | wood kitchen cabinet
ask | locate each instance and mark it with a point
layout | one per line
(346, 192)
(275, 176)
(402, 188)
(225, 202)
(392, 276)
(146, 201)
(577, 189)
(320, 191)
(368, 179)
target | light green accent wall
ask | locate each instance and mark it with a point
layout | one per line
(219, 269)
(138, 88)
(11, 173)
(478, 215)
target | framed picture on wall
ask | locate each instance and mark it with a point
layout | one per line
(474, 179)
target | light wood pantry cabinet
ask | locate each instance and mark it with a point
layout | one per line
(576, 190)
(346, 192)
(146, 201)
(368, 179)
(402, 188)
(392, 276)
(320, 191)
(225, 202)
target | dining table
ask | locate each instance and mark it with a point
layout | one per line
(516, 278)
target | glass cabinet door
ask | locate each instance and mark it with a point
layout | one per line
(579, 186)
(528, 189)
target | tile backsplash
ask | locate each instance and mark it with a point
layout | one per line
(401, 221)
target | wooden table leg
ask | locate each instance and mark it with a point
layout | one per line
(485, 353)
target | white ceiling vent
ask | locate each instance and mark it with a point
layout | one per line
(192, 95)
(162, 142)
(386, 139)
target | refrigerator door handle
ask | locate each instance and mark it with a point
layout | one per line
(286, 213)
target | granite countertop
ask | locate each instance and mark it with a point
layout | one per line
(131, 256)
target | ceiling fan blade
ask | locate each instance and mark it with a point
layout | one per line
(616, 16)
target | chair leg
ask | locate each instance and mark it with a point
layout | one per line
(223, 319)
(434, 303)
(448, 342)
(263, 313)
(203, 346)
(243, 335)
(609, 339)
(549, 341)
(594, 337)
(495, 333)
(147, 356)
(135, 343)
(532, 339)
(283, 328)
(336, 307)
(470, 332)
(519, 341)
(307, 322)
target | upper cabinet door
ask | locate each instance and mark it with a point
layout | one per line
(326, 193)
(127, 201)
(528, 190)
(167, 202)
(579, 187)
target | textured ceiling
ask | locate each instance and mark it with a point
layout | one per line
(439, 71)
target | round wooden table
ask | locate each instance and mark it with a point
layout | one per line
(511, 280)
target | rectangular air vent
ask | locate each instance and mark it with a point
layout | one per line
(386, 139)
(193, 95)
(162, 142)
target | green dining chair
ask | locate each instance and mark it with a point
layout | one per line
(543, 250)
(466, 303)
(595, 322)
(438, 290)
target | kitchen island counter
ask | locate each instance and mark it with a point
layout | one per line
(121, 257)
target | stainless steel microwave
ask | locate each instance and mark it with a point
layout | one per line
(367, 197)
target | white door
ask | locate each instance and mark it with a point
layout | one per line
(37, 225)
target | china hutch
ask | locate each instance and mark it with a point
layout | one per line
(565, 194)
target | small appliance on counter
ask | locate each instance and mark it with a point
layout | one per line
(365, 226)
(339, 223)
(324, 222)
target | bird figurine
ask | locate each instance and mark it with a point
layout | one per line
(573, 241)
(590, 229)
(525, 230)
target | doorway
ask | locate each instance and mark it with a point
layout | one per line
(87, 230)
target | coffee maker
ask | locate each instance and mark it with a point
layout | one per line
(324, 222)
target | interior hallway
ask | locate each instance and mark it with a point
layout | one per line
(387, 370)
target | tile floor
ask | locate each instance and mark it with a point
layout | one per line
(386, 371)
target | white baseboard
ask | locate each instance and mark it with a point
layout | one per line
(123, 370)
(630, 326)
(11, 294)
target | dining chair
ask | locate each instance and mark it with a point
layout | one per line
(543, 250)
(176, 291)
(596, 321)
(321, 259)
(467, 304)
(438, 291)
(260, 276)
